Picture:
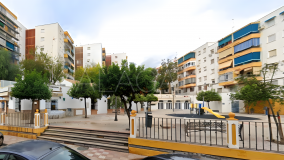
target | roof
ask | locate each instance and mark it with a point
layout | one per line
(32, 148)
(72, 81)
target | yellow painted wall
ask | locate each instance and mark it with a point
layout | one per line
(258, 108)
(202, 149)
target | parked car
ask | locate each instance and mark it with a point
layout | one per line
(175, 157)
(1, 139)
(39, 149)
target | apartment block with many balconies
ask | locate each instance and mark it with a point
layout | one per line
(11, 33)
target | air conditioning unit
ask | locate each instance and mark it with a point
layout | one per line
(261, 27)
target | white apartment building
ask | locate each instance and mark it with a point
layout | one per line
(117, 58)
(22, 40)
(92, 54)
(271, 28)
(52, 39)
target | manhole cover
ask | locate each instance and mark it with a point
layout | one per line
(82, 148)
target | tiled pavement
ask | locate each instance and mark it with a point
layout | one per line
(92, 153)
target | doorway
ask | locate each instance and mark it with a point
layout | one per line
(54, 105)
(235, 106)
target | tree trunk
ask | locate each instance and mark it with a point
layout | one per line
(276, 122)
(208, 104)
(85, 108)
(32, 113)
(126, 109)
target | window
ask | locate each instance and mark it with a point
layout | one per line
(213, 81)
(199, 70)
(199, 79)
(212, 61)
(199, 61)
(270, 23)
(2, 155)
(64, 153)
(219, 90)
(204, 59)
(271, 38)
(199, 88)
(204, 50)
(115, 56)
(42, 30)
(42, 39)
(205, 68)
(205, 78)
(15, 157)
(205, 87)
(212, 71)
(89, 54)
(212, 51)
(41, 49)
(272, 53)
(199, 53)
(191, 89)
(89, 48)
(88, 60)
(115, 62)
(179, 91)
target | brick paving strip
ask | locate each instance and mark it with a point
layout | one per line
(92, 153)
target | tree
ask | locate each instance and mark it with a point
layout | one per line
(167, 74)
(150, 98)
(32, 86)
(51, 67)
(83, 90)
(208, 96)
(253, 91)
(8, 70)
(125, 82)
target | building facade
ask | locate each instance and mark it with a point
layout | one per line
(90, 54)
(11, 33)
(54, 41)
(117, 58)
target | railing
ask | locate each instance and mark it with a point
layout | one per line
(21, 119)
(252, 135)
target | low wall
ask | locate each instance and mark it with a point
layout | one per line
(148, 147)
(258, 108)
(31, 133)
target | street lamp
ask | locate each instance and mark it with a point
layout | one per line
(173, 93)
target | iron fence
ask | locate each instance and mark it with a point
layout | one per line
(252, 135)
(22, 120)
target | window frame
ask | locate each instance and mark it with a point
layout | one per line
(272, 40)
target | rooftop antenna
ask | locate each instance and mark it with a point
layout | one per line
(233, 26)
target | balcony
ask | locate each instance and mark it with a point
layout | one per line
(66, 56)
(188, 86)
(187, 69)
(69, 69)
(186, 77)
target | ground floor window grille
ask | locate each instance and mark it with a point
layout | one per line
(160, 105)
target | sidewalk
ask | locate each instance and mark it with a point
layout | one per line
(92, 153)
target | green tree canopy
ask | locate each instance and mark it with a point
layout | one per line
(83, 90)
(125, 82)
(51, 67)
(210, 95)
(167, 74)
(151, 98)
(8, 70)
(32, 86)
(90, 71)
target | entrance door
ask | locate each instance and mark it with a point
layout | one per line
(53, 104)
(235, 106)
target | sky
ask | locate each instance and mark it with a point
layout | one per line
(146, 30)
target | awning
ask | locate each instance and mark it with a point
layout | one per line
(247, 69)
(57, 94)
(270, 19)
(226, 53)
(281, 13)
(256, 70)
(226, 64)
(2, 99)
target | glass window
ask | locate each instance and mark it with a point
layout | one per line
(15, 157)
(272, 53)
(271, 38)
(41, 49)
(270, 23)
(89, 54)
(212, 61)
(2, 156)
(89, 48)
(42, 30)
(42, 39)
(66, 154)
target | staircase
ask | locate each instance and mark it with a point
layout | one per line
(109, 140)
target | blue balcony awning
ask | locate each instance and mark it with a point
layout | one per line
(270, 19)
(281, 13)
(225, 40)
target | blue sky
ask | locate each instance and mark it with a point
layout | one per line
(147, 30)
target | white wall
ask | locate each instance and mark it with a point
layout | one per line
(95, 54)
(118, 57)
(226, 103)
(22, 39)
(102, 105)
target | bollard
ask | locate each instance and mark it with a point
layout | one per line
(45, 118)
(133, 126)
(3, 118)
(232, 131)
(37, 119)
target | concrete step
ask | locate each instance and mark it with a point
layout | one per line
(84, 136)
(81, 142)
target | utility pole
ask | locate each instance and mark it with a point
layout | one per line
(115, 118)
(174, 99)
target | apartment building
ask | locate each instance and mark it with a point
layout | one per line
(11, 33)
(118, 57)
(54, 41)
(186, 74)
(90, 54)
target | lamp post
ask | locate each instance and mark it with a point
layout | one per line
(173, 93)
(115, 117)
